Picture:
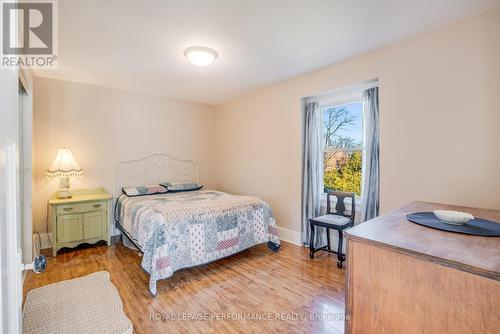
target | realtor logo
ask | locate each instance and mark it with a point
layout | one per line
(29, 34)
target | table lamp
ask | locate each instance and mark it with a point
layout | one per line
(63, 167)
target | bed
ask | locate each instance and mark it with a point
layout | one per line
(185, 229)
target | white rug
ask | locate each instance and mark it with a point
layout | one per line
(89, 304)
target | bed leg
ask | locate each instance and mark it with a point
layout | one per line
(272, 246)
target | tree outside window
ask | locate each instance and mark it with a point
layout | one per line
(342, 155)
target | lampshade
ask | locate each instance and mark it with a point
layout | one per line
(64, 164)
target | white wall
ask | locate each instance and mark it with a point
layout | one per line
(103, 126)
(440, 113)
(439, 121)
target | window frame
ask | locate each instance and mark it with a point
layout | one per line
(340, 100)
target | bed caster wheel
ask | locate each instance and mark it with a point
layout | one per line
(311, 255)
(339, 264)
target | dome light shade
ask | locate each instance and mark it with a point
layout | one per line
(200, 55)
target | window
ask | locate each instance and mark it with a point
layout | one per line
(343, 144)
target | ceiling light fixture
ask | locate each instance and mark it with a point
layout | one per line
(200, 55)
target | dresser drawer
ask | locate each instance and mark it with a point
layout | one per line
(94, 206)
(81, 207)
(68, 208)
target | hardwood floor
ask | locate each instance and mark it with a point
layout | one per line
(284, 291)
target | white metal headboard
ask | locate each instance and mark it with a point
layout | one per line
(154, 168)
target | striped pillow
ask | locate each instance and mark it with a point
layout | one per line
(144, 190)
(181, 186)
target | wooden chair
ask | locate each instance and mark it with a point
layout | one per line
(337, 220)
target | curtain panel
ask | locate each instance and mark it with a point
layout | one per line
(371, 172)
(312, 178)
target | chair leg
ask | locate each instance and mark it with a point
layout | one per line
(340, 257)
(311, 242)
(328, 238)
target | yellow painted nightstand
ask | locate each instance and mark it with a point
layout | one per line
(83, 218)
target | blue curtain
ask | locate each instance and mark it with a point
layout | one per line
(371, 172)
(312, 178)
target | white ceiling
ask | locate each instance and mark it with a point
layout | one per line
(137, 45)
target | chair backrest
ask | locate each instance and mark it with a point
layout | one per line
(340, 206)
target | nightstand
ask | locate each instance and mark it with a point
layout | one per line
(83, 218)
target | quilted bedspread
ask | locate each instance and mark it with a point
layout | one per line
(181, 230)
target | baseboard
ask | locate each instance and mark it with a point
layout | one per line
(290, 236)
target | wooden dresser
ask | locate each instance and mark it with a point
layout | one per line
(407, 278)
(83, 218)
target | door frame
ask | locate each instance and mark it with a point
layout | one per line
(11, 283)
(26, 174)
(11, 264)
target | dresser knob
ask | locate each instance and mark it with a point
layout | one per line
(96, 206)
(67, 209)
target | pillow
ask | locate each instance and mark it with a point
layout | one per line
(144, 190)
(181, 186)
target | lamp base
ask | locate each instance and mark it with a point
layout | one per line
(64, 188)
(61, 194)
